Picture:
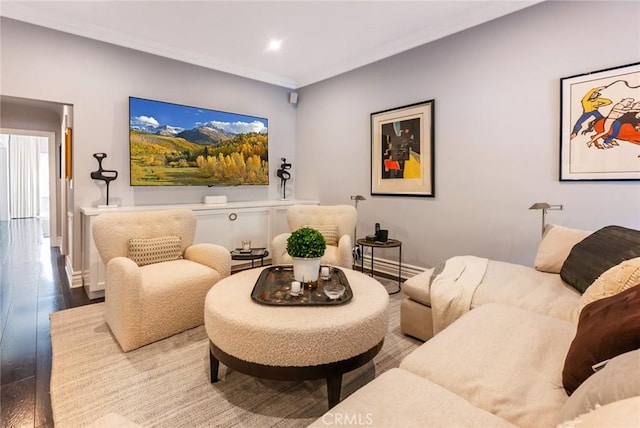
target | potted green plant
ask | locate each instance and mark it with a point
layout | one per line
(306, 246)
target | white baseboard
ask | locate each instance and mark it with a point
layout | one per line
(74, 277)
(384, 266)
(390, 267)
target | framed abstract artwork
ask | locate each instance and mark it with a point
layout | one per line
(402, 151)
(600, 125)
(68, 155)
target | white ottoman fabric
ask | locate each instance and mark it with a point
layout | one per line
(295, 335)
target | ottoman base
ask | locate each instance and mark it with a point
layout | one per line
(332, 372)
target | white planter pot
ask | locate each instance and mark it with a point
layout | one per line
(305, 270)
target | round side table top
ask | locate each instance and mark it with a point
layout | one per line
(390, 243)
(254, 254)
(295, 335)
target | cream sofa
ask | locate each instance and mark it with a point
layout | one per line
(540, 289)
(513, 356)
(156, 277)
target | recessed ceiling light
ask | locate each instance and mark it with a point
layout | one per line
(274, 45)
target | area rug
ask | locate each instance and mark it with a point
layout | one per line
(166, 384)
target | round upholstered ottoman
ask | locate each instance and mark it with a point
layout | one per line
(295, 342)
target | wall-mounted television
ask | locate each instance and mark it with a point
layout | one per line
(177, 145)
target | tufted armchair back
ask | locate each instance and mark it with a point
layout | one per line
(112, 232)
(156, 279)
(343, 216)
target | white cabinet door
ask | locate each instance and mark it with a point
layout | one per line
(212, 228)
(230, 227)
(279, 221)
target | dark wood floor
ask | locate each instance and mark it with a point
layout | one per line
(32, 285)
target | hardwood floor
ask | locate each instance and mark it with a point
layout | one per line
(32, 285)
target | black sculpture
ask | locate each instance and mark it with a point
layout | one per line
(284, 175)
(105, 175)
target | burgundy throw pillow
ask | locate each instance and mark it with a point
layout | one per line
(606, 328)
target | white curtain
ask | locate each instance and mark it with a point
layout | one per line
(23, 176)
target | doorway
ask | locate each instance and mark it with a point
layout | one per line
(27, 185)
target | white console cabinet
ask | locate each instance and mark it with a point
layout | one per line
(229, 227)
(224, 224)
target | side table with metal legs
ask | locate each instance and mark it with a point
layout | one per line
(253, 255)
(391, 243)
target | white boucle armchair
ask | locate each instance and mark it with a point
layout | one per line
(162, 292)
(336, 222)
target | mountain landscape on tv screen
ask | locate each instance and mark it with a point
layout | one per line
(175, 145)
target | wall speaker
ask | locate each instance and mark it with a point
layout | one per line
(293, 97)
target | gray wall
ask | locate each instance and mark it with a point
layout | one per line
(97, 79)
(496, 91)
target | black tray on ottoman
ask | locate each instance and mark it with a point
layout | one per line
(273, 287)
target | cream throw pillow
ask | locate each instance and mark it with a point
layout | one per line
(330, 233)
(146, 251)
(612, 281)
(555, 247)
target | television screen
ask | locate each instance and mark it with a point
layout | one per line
(177, 145)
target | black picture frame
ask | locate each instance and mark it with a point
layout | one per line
(403, 151)
(600, 125)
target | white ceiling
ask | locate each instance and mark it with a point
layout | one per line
(320, 39)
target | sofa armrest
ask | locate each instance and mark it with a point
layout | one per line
(122, 299)
(213, 255)
(279, 248)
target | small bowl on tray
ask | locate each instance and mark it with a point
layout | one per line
(334, 290)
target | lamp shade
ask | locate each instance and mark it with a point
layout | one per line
(540, 206)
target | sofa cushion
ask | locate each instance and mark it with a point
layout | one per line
(598, 252)
(613, 281)
(398, 398)
(555, 246)
(606, 328)
(505, 360)
(618, 380)
(522, 286)
(328, 231)
(146, 251)
(509, 284)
